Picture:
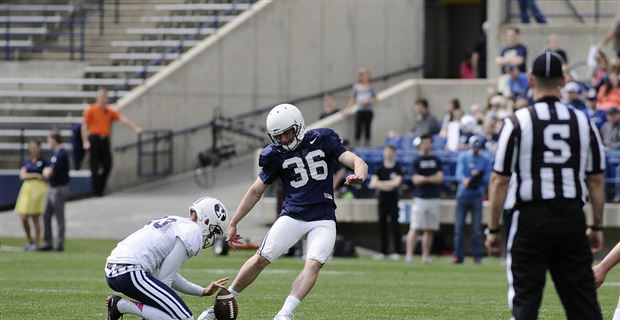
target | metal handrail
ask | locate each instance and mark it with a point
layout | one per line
(22, 136)
(346, 87)
(161, 135)
(76, 20)
(178, 48)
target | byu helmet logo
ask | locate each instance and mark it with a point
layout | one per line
(220, 212)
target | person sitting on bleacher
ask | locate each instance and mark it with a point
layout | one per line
(610, 132)
(424, 123)
(573, 93)
(609, 93)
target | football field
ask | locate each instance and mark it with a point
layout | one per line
(71, 285)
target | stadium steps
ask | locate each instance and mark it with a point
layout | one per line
(30, 106)
(558, 12)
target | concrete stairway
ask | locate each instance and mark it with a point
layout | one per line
(44, 90)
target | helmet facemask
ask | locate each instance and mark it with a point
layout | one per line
(295, 141)
(209, 234)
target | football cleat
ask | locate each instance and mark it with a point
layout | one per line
(208, 314)
(111, 302)
(284, 317)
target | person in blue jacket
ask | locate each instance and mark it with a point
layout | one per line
(473, 170)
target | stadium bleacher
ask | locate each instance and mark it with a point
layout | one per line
(120, 53)
(406, 153)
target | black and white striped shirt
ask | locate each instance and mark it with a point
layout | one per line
(551, 147)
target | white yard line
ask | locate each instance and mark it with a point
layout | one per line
(276, 271)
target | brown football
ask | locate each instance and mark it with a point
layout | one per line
(225, 306)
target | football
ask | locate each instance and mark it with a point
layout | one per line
(225, 306)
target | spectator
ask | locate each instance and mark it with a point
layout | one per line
(473, 171)
(476, 111)
(610, 132)
(601, 73)
(613, 33)
(525, 6)
(466, 67)
(97, 122)
(424, 123)
(58, 174)
(363, 99)
(609, 93)
(452, 130)
(329, 106)
(601, 270)
(386, 180)
(517, 83)
(598, 116)
(520, 103)
(31, 199)
(492, 133)
(479, 54)
(513, 53)
(469, 127)
(77, 145)
(553, 43)
(453, 114)
(573, 90)
(427, 178)
(496, 108)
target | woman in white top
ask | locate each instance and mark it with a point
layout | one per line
(363, 99)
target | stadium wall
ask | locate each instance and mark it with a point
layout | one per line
(275, 51)
(395, 111)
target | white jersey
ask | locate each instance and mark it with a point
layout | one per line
(149, 246)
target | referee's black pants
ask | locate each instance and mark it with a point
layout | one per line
(550, 236)
(100, 162)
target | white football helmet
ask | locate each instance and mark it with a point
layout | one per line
(282, 118)
(212, 218)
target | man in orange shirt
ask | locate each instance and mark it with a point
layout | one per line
(96, 124)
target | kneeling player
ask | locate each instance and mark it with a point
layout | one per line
(145, 265)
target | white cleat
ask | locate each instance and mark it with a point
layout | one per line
(208, 314)
(283, 317)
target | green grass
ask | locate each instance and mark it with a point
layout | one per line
(71, 285)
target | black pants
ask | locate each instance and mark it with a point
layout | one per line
(100, 162)
(550, 236)
(389, 209)
(363, 120)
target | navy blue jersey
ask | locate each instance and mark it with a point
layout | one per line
(384, 173)
(36, 166)
(517, 50)
(306, 174)
(60, 165)
(427, 166)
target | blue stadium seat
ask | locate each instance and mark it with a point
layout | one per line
(393, 141)
(438, 142)
(406, 143)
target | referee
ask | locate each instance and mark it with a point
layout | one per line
(558, 159)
